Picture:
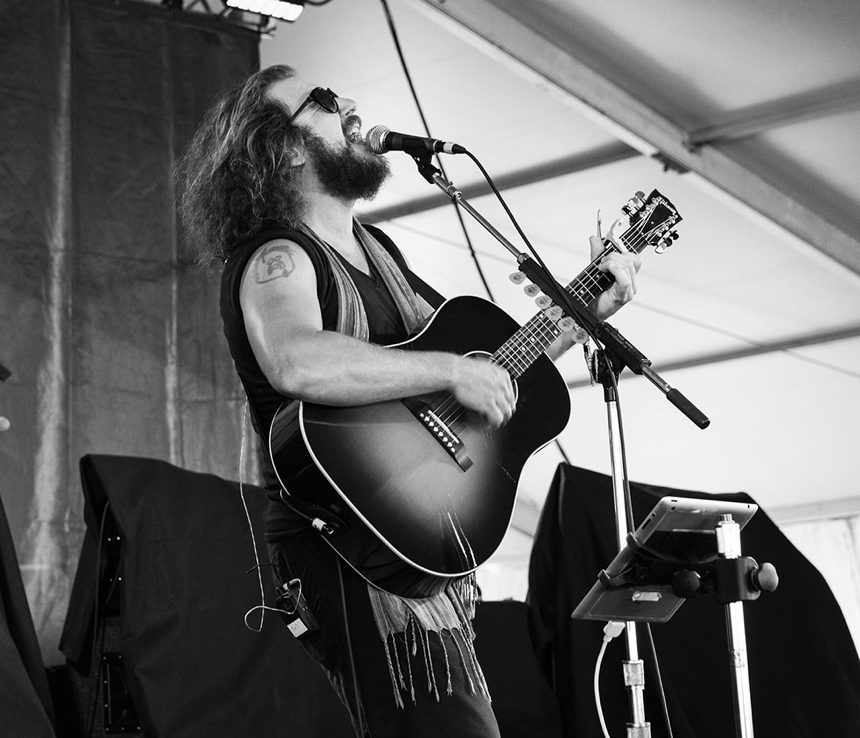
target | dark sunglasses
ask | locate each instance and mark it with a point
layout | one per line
(325, 98)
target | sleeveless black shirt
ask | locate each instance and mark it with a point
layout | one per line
(384, 321)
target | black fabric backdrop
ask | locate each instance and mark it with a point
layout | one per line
(803, 666)
(113, 340)
(194, 669)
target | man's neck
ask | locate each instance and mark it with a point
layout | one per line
(331, 220)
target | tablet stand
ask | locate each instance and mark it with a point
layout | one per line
(730, 577)
(640, 569)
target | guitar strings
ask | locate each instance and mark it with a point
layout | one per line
(524, 347)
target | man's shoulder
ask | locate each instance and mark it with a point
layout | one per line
(277, 259)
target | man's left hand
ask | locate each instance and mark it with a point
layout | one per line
(623, 267)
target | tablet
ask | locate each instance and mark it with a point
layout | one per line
(679, 530)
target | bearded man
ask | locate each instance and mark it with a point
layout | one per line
(312, 303)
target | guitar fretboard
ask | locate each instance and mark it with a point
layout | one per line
(522, 349)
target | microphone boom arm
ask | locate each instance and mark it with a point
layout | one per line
(622, 350)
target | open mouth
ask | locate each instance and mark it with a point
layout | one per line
(352, 130)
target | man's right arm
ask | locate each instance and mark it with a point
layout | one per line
(284, 324)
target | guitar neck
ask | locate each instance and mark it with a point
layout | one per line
(520, 351)
(651, 219)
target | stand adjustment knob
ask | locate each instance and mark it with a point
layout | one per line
(686, 583)
(765, 578)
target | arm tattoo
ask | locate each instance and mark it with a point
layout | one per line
(273, 262)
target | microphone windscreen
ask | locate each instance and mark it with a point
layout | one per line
(375, 139)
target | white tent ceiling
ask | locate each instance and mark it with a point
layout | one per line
(754, 314)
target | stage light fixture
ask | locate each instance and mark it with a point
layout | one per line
(281, 9)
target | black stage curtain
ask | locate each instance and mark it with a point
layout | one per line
(113, 338)
(803, 665)
(194, 670)
(523, 702)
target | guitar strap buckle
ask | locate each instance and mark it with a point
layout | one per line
(322, 520)
(321, 526)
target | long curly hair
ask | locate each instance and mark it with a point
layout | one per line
(236, 173)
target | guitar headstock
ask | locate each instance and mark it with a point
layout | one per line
(652, 220)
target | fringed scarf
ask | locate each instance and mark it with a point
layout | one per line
(453, 609)
(442, 616)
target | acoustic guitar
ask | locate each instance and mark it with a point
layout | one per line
(418, 491)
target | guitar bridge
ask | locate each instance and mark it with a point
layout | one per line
(440, 431)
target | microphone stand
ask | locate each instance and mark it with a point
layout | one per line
(616, 354)
(623, 353)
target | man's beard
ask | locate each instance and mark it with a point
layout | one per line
(345, 173)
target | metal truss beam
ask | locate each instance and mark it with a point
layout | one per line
(504, 37)
(832, 100)
(784, 344)
(571, 165)
(219, 11)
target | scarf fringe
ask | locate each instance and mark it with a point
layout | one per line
(445, 614)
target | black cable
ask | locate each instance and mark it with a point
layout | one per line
(486, 176)
(359, 704)
(483, 172)
(528, 244)
(540, 261)
(663, 703)
(418, 106)
(563, 453)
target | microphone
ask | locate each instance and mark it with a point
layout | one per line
(381, 140)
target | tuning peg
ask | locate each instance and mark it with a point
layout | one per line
(532, 290)
(666, 241)
(517, 277)
(634, 204)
